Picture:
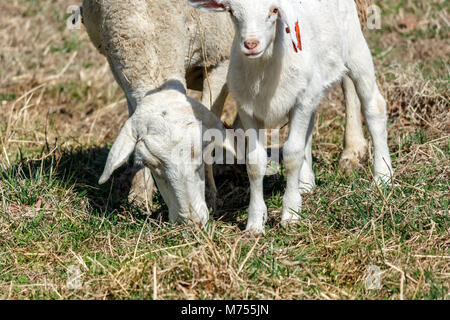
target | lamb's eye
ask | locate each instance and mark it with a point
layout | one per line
(231, 11)
(274, 11)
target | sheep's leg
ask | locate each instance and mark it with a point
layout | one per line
(294, 159)
(373, 106)
(355, 145)
(142, 186)
(256, 169)
(307, 180)
(215, 92)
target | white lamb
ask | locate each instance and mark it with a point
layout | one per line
(276, 75)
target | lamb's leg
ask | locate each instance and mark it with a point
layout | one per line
(256, 169)
(294, 159)
(215, 92)
(307, 179)
(373, 106)
(355, 145)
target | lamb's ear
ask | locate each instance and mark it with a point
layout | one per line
(290, 19)
(208, 5)
(121, 150)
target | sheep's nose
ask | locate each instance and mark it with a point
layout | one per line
(251, 44)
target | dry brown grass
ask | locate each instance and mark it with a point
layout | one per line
(60, 106)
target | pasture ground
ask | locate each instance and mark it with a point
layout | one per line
(61, 110)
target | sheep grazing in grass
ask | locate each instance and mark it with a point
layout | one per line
(156, 49)
(285, 55)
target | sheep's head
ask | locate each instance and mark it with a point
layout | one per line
(256, 21)
(166, 134)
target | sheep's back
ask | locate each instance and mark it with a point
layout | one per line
(152, 40)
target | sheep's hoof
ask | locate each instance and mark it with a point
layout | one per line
(142, 188)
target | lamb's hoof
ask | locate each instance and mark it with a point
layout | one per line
(383, 180)
(352, 160)
(291, 221)
(255, 229)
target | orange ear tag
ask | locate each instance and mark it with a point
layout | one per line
(299, 38)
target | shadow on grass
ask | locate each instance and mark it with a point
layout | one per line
(80, 168)
(233, 188)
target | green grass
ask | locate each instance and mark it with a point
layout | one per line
(54, 215)
(76, 220)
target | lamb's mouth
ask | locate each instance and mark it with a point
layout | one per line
(254, 54)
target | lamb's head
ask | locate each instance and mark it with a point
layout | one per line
(255, 21)
(166, 134)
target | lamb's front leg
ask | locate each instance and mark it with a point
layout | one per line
(256, 169)
(294, 158)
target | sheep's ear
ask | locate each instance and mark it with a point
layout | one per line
(121, 150)
(290, 19)
(208, 5)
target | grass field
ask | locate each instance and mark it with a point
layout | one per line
(61, 110)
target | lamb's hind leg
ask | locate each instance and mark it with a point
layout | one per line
(355, 145)
(374, 107)
(294, 158)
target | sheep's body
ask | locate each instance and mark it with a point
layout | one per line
(148, 42)
(272, 82)
(154, 45)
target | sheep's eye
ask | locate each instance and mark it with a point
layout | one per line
(231, 11)
(274, 11)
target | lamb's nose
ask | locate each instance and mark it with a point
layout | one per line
(251, 44)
